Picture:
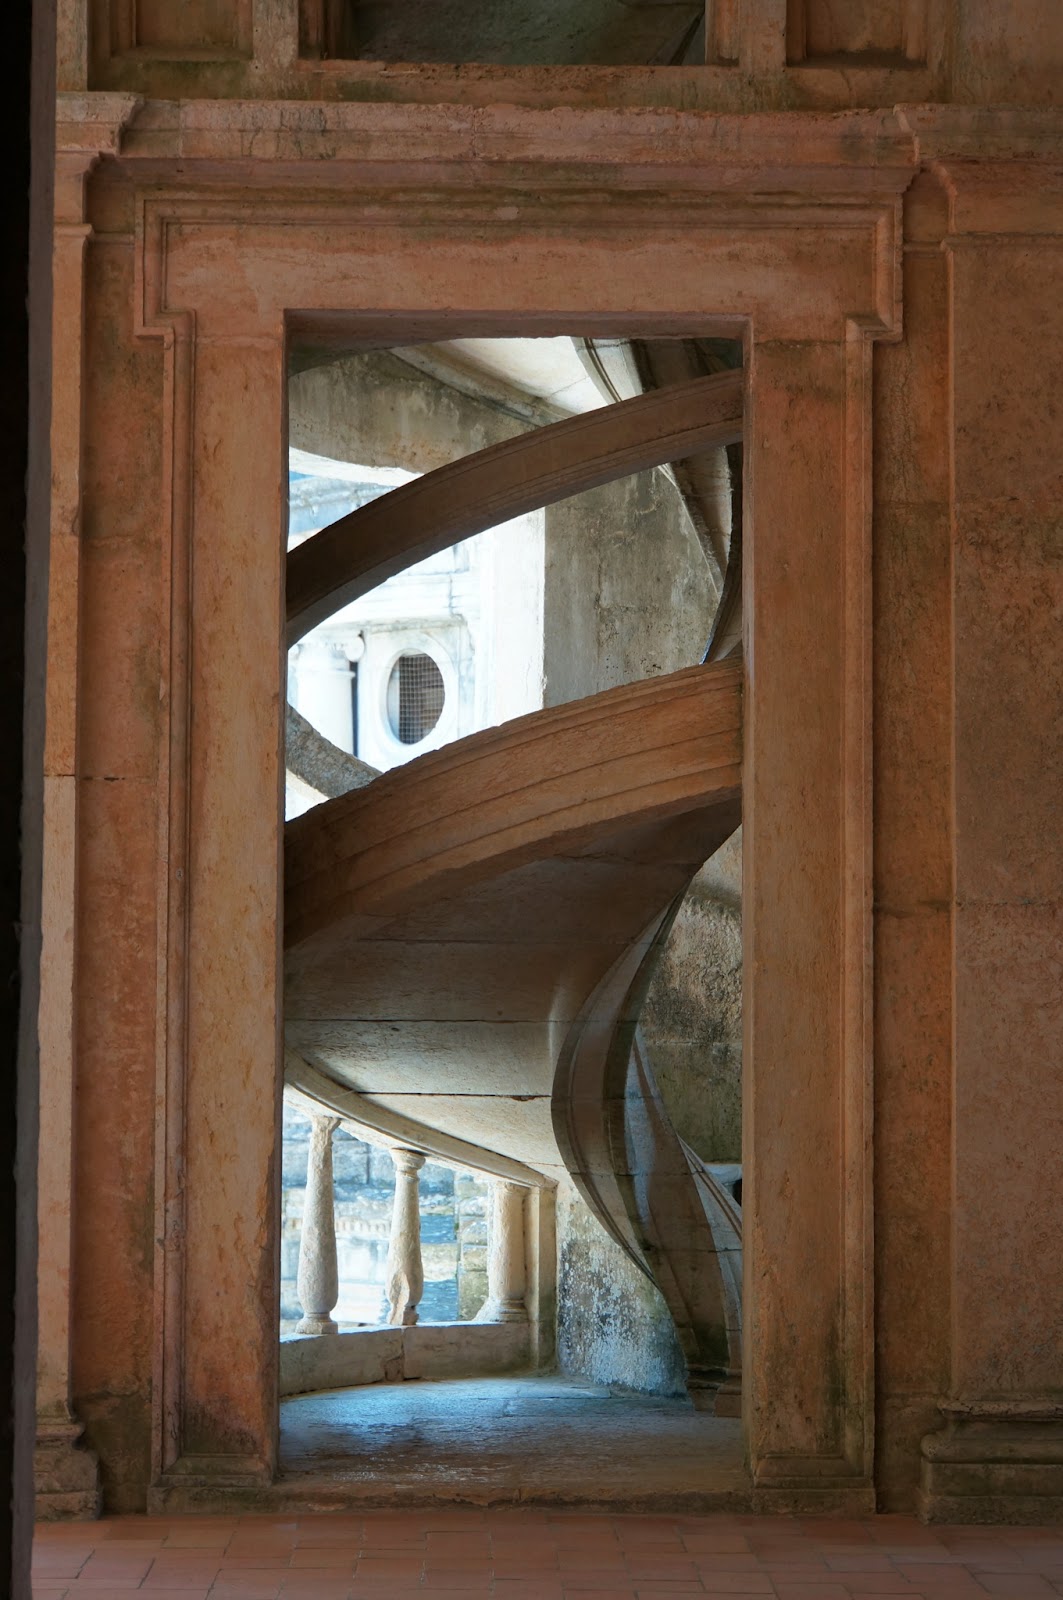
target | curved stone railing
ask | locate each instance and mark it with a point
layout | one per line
(723, 1213)
(552, 782)
(493, 486)
(358, 1111)
(317, 1280)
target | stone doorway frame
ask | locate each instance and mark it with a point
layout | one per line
(443, 221)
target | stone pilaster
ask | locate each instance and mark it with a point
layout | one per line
(999, 1455)
(317, 1280)
(66, 1472)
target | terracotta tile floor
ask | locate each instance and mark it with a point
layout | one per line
(541, 1555)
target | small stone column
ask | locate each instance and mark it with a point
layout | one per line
(322, 689)
(404, 1281)
(317, 1280)
(506, 1276)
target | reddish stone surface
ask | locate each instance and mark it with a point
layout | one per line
(904, 685)
(540, 1555)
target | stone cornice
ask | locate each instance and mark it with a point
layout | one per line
(611, 136)
(94, 124)
(240, 140)
(983, 133)
(767, 151)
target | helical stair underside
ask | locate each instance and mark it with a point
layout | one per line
(469, 938)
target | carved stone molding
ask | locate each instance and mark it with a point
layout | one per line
(94, 123)
(351, 236)
(836, 151)
(995, 1462)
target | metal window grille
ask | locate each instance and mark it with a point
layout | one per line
(415, 697)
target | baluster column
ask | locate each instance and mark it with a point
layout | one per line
(404, 1282)
(317, 1281)
(506, 1272)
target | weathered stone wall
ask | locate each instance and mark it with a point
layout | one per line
(628, 591)
(379, 411)
(612, 1324)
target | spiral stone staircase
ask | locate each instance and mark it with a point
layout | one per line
(469, 938)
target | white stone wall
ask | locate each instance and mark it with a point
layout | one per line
(475, 609)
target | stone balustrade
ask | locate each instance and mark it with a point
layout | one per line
(318, 1277)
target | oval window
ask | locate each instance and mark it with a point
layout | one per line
(415, 697)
